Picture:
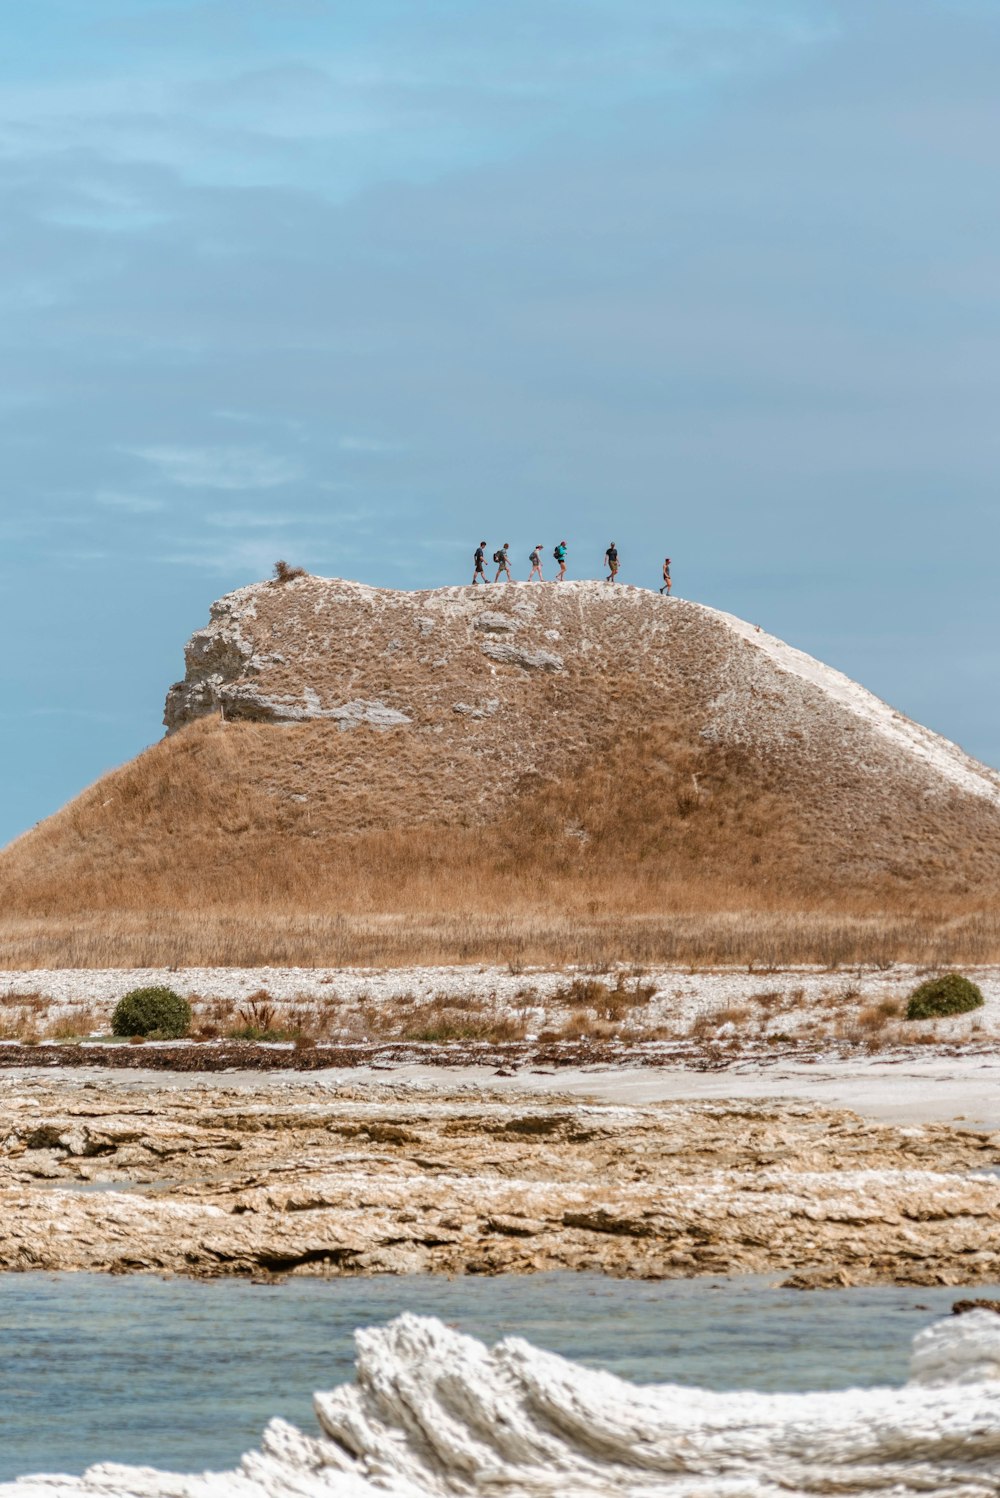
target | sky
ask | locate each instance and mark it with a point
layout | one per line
(357, 282)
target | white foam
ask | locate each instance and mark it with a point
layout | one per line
(434, 1414)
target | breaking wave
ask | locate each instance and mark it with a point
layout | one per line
(435, 1414)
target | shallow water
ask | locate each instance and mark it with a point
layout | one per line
(184, 1375)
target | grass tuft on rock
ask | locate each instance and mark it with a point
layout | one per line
(154, 1013)
(939, 997)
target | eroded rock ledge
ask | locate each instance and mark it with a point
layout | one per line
(300, 1177)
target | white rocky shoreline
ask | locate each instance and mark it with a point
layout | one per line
(409, 1167)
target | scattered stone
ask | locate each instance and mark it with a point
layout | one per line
(498, 624)
(485, 710)
(516, 655)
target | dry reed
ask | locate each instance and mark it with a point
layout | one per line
(204, 859)
(721, 938)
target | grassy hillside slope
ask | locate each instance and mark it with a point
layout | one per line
(558, 773)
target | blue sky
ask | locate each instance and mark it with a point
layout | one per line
(356, 283)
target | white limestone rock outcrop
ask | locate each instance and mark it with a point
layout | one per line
(434, 1414)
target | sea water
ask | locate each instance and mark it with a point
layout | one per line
(184, 1375)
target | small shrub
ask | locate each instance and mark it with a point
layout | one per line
(938, 997)
(258, 1013)
(283, 573)
(152, 1011)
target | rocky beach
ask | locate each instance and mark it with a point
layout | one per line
(266, 1176)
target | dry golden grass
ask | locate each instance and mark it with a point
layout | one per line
(308, 1022)
(765, 941)
(22, 1017)
(28, 1017)
(876, 1017)
(606, 1001)
(583, 1027)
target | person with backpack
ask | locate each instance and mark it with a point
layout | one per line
(503, 561)
(666, 577)
(479, 564)
(611, 562)
(559, 552)
(536, 563)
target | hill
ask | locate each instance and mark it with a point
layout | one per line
(572, 772)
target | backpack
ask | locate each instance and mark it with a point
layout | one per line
(534, 559)
(558, 553)
(612, 553)
(499, 557)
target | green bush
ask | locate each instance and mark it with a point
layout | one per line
(158, 1013)
(949, 994)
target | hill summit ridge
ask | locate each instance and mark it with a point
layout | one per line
(306, 651)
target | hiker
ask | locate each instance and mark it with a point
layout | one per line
(536, 563)
(480, 564)
(666, 577)
(559, 552)
(611, 562)
(503, 561)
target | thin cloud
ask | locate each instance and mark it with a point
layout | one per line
(366, 445)
(79, 558)
(243, 417)
(246, 519)
(219, 467)
(248, 560)
(67, 712)
(132, 504)
(248, 557)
